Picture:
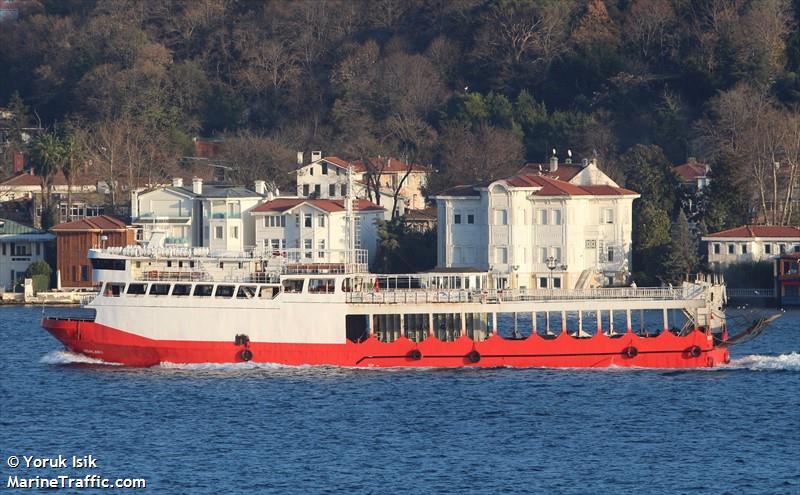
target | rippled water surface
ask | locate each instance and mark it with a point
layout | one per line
(270, 429)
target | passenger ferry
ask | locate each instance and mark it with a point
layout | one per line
(192, 305)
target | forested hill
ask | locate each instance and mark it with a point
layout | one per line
(475, 87)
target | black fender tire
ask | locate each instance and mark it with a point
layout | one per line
(414, 354)
(695, 351)
(246, 355)
(473, 356)
(630, 352)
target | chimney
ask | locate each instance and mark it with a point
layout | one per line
(19, 162)
(177, 182)
(569, 157)
(299, 158)
(554, 161)
(197, 185)
(593, 161)
(260, 187)
(134, 204)
(316, 155)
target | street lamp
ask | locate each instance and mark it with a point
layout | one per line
(552, 263)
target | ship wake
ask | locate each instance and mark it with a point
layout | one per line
(762, 362)
(67, 357)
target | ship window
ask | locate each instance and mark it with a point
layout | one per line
(137, 289)
(269, 292)
(321, 286)
(107, 264)
(159, 289)
(203, 290)
(246, 292)
(181, 290)
(224, 291)
(293, 285)
(113, 290)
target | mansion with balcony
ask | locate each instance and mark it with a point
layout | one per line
(546, 227)
(203, 215)
(326, 178)
(20, 246)
(751, 243)
(318, 227)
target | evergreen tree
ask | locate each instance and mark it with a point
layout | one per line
(681, 258)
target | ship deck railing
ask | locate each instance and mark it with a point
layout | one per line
(493, 296)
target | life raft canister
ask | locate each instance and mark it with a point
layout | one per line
(473, 356)
(414, 354)
(695, 351)
(630, 352)
(246, 354)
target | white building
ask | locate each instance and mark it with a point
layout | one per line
(751, 243)
(535, 231)
(315, 226)
(206, 215)
(20, 246)
(326, 178)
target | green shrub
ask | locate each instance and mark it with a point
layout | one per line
(749, 274)
(38, 268)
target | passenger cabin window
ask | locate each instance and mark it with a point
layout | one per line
(137, 289)
(224, 291)
(203, 290)
(159, 289)
(321, 286)
(113, 290)
(293, 285)
(107, 264)
(269, 292)
(246, 292)
(182, 290)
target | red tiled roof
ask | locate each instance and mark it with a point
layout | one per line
(565, 171)
(26, 179)
(329, 205)
(690, 171)
(547, 187)
(759, 231)
(386, 165)
(102, 222)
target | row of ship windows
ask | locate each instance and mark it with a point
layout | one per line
(224, 291)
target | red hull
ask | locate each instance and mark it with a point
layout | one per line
(664, 351)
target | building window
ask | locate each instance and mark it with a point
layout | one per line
(500, 217)
(556, 251)
(717, 248)
(218, 232)
(542, 255)
(306, 189)
(324, 167)
(321, 247)
(767, 248)
(275, 221)
(557, 283)
(744, 248)
(321, 220)
(317, 192)
(591, 244)
(783, 248)
(470, 218)
(457, 218)
(556, 217)
(332, 190)
(344, 189)
(542, 282)
(501, 255)
(307, 220)
(608, 215)
(235, 232)
(307, 247)
(730, 249)
(542, 217)
(610, 254)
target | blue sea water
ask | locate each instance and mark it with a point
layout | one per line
(228, 429)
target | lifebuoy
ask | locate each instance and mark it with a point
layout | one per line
(414, 354)
(630, 352)
(246, 354)
(473, 356)
(695, 351)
